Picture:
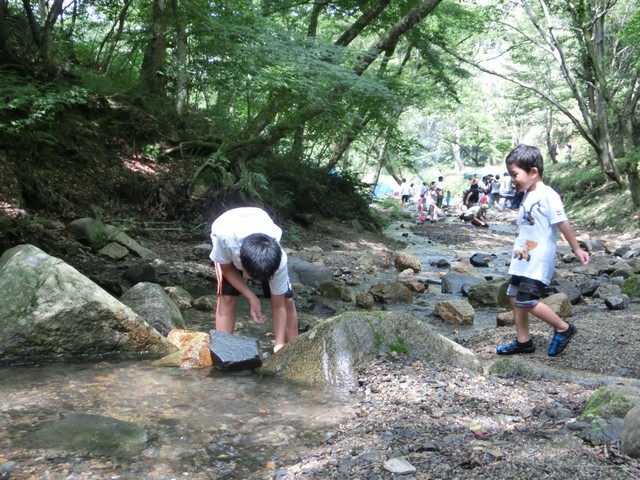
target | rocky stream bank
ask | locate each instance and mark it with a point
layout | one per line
(413, 417)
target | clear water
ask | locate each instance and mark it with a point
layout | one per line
(200, 424)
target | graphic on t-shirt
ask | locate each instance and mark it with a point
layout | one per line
(523, 254)
(528, 216)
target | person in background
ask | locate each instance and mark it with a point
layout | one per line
(246, 242)
(475, 215)
(447, 199)
(405, 192)
(540, 220)
(567, 153)
(494, 196)
(553, 151)
(439, 191)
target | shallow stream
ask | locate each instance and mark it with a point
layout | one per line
(198, 424)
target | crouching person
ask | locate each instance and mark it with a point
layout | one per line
(246, 243)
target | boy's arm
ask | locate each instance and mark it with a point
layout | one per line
(234, 277)
(567, 231)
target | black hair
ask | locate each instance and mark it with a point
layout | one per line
(526, 157)
(260, 256)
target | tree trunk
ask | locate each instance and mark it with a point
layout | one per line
(152, 72)
(181, 61)
(112, 38)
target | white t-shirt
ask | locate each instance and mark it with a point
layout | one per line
(230, 229)
(534, 249)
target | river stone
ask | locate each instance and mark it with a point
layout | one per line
(113, 251)
(90, 231)
(490, 294)
(150, 301)
(399, 466)
(308, 273)
(481, 259)
(234, 352)
(331, 353)
(631, 433)
(391, 292)
(194, 350)
(365, 300)
(455, 311)
(133, 246)
(567, 287)
(180, 296)
(617, 302)
(455, 282)
(607, 290)
(91, 433)
(404, 260)
(51, 312)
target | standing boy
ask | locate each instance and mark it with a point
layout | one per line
(540, 218)
(246, 242)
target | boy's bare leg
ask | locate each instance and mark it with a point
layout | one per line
(547, 315)
(226, 313)
(521, 320)
(292, 320)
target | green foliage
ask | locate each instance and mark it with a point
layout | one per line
(400, 345)
(631, 286)
(292, 235)
(28, 108)
(591, 199)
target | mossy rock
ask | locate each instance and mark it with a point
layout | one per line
(611, 402)
(631, 286)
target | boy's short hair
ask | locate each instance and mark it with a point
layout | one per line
(260, 256)
(526, 157)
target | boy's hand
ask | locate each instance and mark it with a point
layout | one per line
(582, 255)
(256, 311)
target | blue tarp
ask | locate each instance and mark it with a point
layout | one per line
(382, 189)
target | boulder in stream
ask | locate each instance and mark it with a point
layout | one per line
(50, 311)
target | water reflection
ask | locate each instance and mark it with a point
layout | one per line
(204, 423)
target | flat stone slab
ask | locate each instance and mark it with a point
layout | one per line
(234, 352)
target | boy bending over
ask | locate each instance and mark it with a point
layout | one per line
(246, 243)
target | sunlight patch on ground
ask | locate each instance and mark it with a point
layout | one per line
(148, 168)
(12, 210)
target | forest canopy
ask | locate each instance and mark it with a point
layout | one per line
(267, 100)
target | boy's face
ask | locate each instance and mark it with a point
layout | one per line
(521, 179)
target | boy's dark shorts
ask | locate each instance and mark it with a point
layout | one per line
(228, 289)
(527, 291)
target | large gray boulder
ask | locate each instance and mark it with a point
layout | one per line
(308, 273)
(50, 311)
(331, 353)
(151, 302)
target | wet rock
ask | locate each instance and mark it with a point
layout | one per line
(194, 351)
(92, 433)
(143, 272)
(481, 259)
(454, 282)
(234, 352)
(405, 260)
(490, 294)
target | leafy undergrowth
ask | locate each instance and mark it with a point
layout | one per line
(593, 201)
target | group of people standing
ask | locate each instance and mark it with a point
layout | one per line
(432, 198)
